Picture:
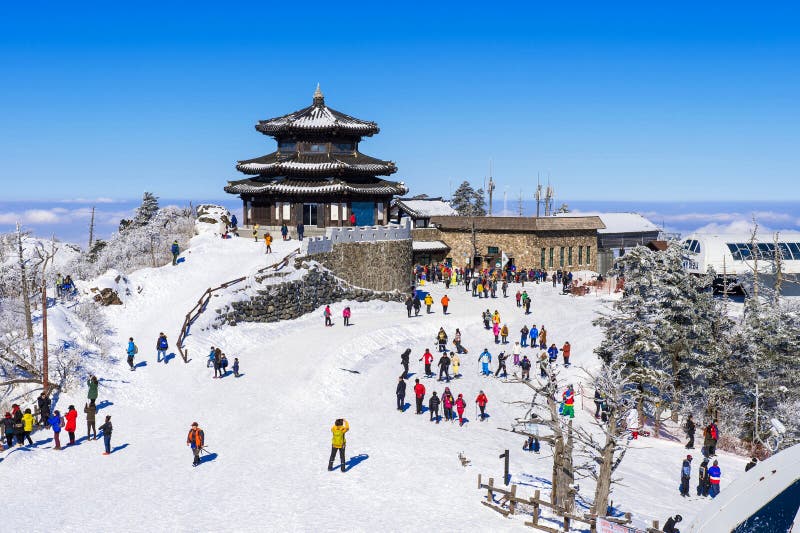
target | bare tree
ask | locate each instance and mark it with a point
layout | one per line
(26, 298)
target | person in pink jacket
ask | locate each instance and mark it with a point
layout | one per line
(346, 316)
(447, 402)
(496, 332)
(460, 406)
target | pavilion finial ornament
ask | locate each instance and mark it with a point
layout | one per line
(318, 96)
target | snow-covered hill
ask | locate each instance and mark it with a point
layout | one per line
(268, 431)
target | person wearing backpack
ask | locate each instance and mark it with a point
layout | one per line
(195, 440)
(161, 347)
(132, 351)
(55, 422)
(19, 425)
(176, 250)
(8, 430)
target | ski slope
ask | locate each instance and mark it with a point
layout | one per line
(269, 430)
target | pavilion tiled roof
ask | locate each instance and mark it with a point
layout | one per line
(317, 119)
(295, 164)
(329, 186)
(511, 224)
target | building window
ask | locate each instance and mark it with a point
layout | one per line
(550, 263)
(287, 211)
(287, 146)
(588, 255)
(541, 263)
(580, 255)
(314, 148)
(381, 210)
(561, 256)
(342, 148)
(569, 256)
(334, 212)
(310, 214)
(493, 250)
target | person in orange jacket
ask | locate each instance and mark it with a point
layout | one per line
(565, 352)
(338, 441)
(195, 440)
(482, 400)
(445, 303)
(268, 242)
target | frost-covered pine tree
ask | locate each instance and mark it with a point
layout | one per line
(147, 211)
(479, 204)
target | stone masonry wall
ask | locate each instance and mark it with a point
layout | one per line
(292, 299)
(525, 248)
(379, 266)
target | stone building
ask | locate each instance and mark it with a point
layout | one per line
(528, 242)
(317, 176)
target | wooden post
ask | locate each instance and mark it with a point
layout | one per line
(506, 477)
(479, 481)
(566, 523)
(512, 502)
(489, 490)
(655, 525)
(535, 501)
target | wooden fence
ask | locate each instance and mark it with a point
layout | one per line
(202, 303)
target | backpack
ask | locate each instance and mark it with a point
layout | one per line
(135, 349)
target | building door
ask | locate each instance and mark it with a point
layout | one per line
(364, 212)
(310, 214)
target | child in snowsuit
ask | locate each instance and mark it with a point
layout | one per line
(236, 367)
(456, 361)
(460, 406)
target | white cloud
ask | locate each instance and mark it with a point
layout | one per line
(61, 215)
(42, 216)
(100, 200)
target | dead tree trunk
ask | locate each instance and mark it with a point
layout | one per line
(26, 298)
(603, 489)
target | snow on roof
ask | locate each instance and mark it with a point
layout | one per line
(750, 493)
(618, 222)
(428, 246)
(422, 208)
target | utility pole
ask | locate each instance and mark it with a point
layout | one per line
(91, 231)
(538, 194)
(519, 204)
(45, 370)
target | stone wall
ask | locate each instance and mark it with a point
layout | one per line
(292, 299)
(379, 266)
(524, 247)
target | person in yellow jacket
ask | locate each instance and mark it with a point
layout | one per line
(428, 302)
(455, 360)
(268, 242)
(255, 233)
(338, 442)
(27, 426)
(496, 317)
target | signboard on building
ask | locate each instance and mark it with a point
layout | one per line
(493, 250)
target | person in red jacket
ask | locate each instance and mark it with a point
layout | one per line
(428, 357)
(482, 400)
(352, 219)
(460, 406)
(419, 392)
(71, 417)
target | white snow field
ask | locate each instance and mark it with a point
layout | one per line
(269, 430)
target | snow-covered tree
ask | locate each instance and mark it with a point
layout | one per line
(479, 204)
(468, 202)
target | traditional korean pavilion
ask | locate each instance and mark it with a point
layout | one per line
(317, 175)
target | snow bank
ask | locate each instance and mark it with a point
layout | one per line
(211, 219)
(111, 288)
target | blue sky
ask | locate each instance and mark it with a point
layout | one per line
(676, 101)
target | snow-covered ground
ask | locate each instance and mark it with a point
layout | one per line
(269, 430)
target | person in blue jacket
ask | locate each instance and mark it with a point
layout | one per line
(176, 250)
(234, 221)
(212, 355)
(714, 474)
(161, 347)
(686, 473)
(534, 333)
(132, 349)
(55, 424)
(552, 353)
(485, 358)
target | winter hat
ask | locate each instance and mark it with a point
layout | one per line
(194, 424)
(678, 518)
(460, 395)
(689, 457)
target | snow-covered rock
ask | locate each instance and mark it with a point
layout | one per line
(110, 288)
(211, 219)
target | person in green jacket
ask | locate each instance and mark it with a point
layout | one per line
(338, 442)
(92, 384)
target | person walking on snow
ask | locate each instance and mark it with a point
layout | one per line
(444, 367)
(255, 233)
(496, 333)
(161, 347)
(433, 407)
(504, 334)
(702, 478)
(518, 297)
(211, 355)
(534, 336)
(196, 440)
(401, 393)
(56, 422)
(482, 400)
(132, 350)
(417, 305)
(460, 406)
(428, 303)
(284, 232)
(217, 363)
(44, 402)
(268, 243)
(107, 428)
(516, 351)
(176, 250)
(714, 475)
(565, 353)
(457, 342)
(523, 337)
(90, 409)
(428, 357)
(542, 338)
(445, 303)
(447, 404)
(27, 426)
(525, 364)
(689, 428)
(419, 393)
(568, 399)
(236, 367)
(72, 418)
(441, 340)
(544, 363)
(300, 231)
(484, 359)
(686, 473)
(501, 364)
(456, 362)
(409, 305)
(223, 363)
(404, 361)
(19, 426)
(346, 315)
(328, 314)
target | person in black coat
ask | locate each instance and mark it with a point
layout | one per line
(669, 525)
(107, 428)
(501, 365)
(444, 367)
(417, 305)
(44, 403)
(404, 361)
(401, 394)
(751, 464)
(300, 230)
(690, 428)
(433, 406)
(409, 305)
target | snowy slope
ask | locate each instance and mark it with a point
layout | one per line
(269, 430)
